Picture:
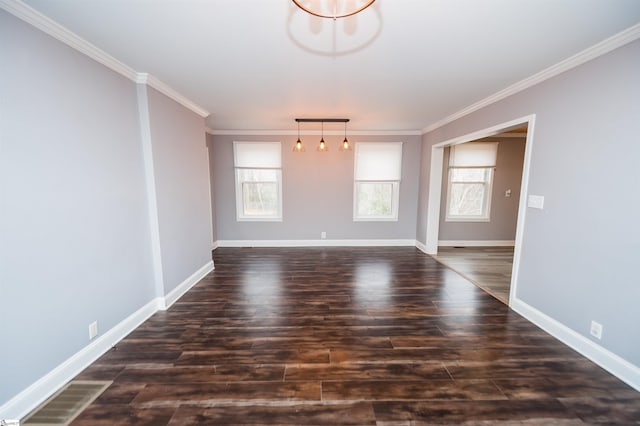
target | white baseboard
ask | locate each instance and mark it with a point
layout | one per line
(476, 243)
(214, 246)
(182, 288)
(421, 246)
(619, 367)
(21, 404)
(316, 243)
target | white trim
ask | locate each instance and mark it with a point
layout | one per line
(476, 243)
(360, 157)
(164, 88)
(150, 184)
(435, 189)
(183, 287)
(258, 219)
(420, 246)
(21, 404)
(314, 132)
(47, 25)
(316, 243)
(215, 245)
(486, 202)
(71, 39)
(599, 49)
(488, 132)
(522, 208)
(395, 200)
(38, 392)
(619, 367)
(210, 192)
(433, 206)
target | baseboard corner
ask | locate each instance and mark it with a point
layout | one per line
(184, 286)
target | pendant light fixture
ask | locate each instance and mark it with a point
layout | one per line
(322, 146)
(345, 146)
(298, 147)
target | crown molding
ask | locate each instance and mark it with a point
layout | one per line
(599, 49)
(165, 89)
(47, 25)
(314, 132)
(57, 31)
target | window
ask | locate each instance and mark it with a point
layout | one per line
(258, 180)
(377, 173)
(470, 181)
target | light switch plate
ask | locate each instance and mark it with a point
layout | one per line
(536, 202)
(93, 330)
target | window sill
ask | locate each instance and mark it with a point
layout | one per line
(375, 219)
(468, 219)
(258, 219)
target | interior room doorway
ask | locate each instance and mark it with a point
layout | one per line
(473, 249)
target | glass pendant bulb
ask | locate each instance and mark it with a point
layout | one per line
(345, 143)
(298, 147)
(322, 147)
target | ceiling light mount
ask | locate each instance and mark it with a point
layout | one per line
(333, 9)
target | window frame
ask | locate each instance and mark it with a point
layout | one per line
(239, 186)
(486, 205)
(483, 162)
(395, 188)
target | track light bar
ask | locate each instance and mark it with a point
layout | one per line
(322, 147)
(322, 120)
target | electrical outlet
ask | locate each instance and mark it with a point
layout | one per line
(323, 235)
(93, 330)
(596, 330)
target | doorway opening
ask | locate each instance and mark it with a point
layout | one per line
(492, 264)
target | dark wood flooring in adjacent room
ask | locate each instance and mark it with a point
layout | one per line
(361, 336)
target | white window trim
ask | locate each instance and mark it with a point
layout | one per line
(486, 217)
(395, 199)
(395, 191)
(240, 217)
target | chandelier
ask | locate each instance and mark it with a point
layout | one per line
(333, 9)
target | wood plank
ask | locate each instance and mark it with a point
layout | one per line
(384, 336)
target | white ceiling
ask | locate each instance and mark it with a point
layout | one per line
(399, 65)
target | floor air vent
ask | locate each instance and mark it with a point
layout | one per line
(65, 405)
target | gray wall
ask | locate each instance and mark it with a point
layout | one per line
(181, 169)
(580, 254)
(75, 242)
(317, 192)
(504, 211)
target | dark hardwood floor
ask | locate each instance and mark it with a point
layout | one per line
(355, 336)
(487, 267)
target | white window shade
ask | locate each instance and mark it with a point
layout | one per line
(259, 155)
(378, 161)
(474, 154)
